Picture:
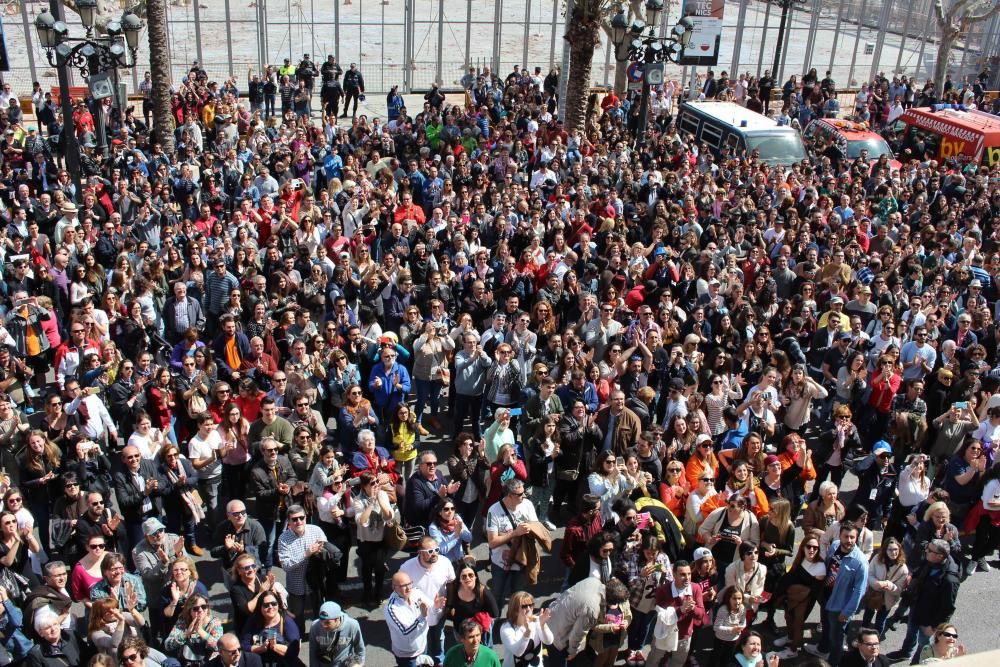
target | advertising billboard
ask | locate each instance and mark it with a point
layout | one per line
(706, 15)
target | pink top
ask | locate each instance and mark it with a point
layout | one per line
(80, 583)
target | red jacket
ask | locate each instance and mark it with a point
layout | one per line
(576, 537)
(686, 622)
(883, 391)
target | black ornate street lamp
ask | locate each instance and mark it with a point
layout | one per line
(638, 42)
(96, 57)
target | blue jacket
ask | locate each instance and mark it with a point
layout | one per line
(852, 581)
(387, 396)
(568, 393)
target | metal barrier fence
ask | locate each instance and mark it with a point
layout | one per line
(412, 43)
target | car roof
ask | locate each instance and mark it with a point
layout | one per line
(848, 129)
(733, 114)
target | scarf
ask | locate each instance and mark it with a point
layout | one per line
(447, 527)
(748, 662)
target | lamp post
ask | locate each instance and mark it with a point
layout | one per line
(96, 57)
(786, 7)
(637, 42)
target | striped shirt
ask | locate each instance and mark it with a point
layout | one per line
(292, 555)
(217, 290)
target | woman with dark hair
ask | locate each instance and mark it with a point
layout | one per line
(467, 597)
(800, 589)
(887, 577)
(126, 588)
(272, 634)
(751, 653)
(469, 467)
(247, 588)
(730, 622)
(962, 478)
(453, 537)
(646, 568)
(183, 512)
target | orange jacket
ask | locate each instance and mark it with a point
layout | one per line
(808, 473)
(758, 504)
(696, 466)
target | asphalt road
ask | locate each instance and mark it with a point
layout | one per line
(975, 618)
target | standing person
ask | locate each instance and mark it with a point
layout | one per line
(389, 384)
(272, 478)
(846, 579)
(689, 606)
(371, 511)
(406, 614)
(471, 365)
(931, 595)
(335, 639)
(471, 652)
(431, 576)
(354, 87)
(298, 545)
(887, 577)
(469, 467)
(505, 525)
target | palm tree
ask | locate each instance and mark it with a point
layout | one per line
(583, 33)
(159, 68)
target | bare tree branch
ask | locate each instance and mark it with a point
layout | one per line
(985, 16)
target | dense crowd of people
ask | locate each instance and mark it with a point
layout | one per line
(238, 351)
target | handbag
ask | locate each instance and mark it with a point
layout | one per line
(196, 404)
(394, 537)
(874, 600)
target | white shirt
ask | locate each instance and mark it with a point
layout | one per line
(199, 449)
(498, 522)
(515, 640)
(431, 581)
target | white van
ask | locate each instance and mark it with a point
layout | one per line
(721, 124)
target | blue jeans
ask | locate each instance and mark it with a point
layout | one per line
(915, 641)
(834, 632)
(428, 391)
(271, 530)
(881, 616)
(435, 641)
(504, 583)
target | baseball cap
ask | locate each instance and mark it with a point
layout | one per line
(330, 611)
(660, 251)
(152, 525)
(881, 447)
(703, 437)
(836, 299)
(701, 553)
(769, 459)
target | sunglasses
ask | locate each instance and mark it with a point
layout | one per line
(431, 552)
(95, 547)
(296, 519)
(269, 605)
(952, 635)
